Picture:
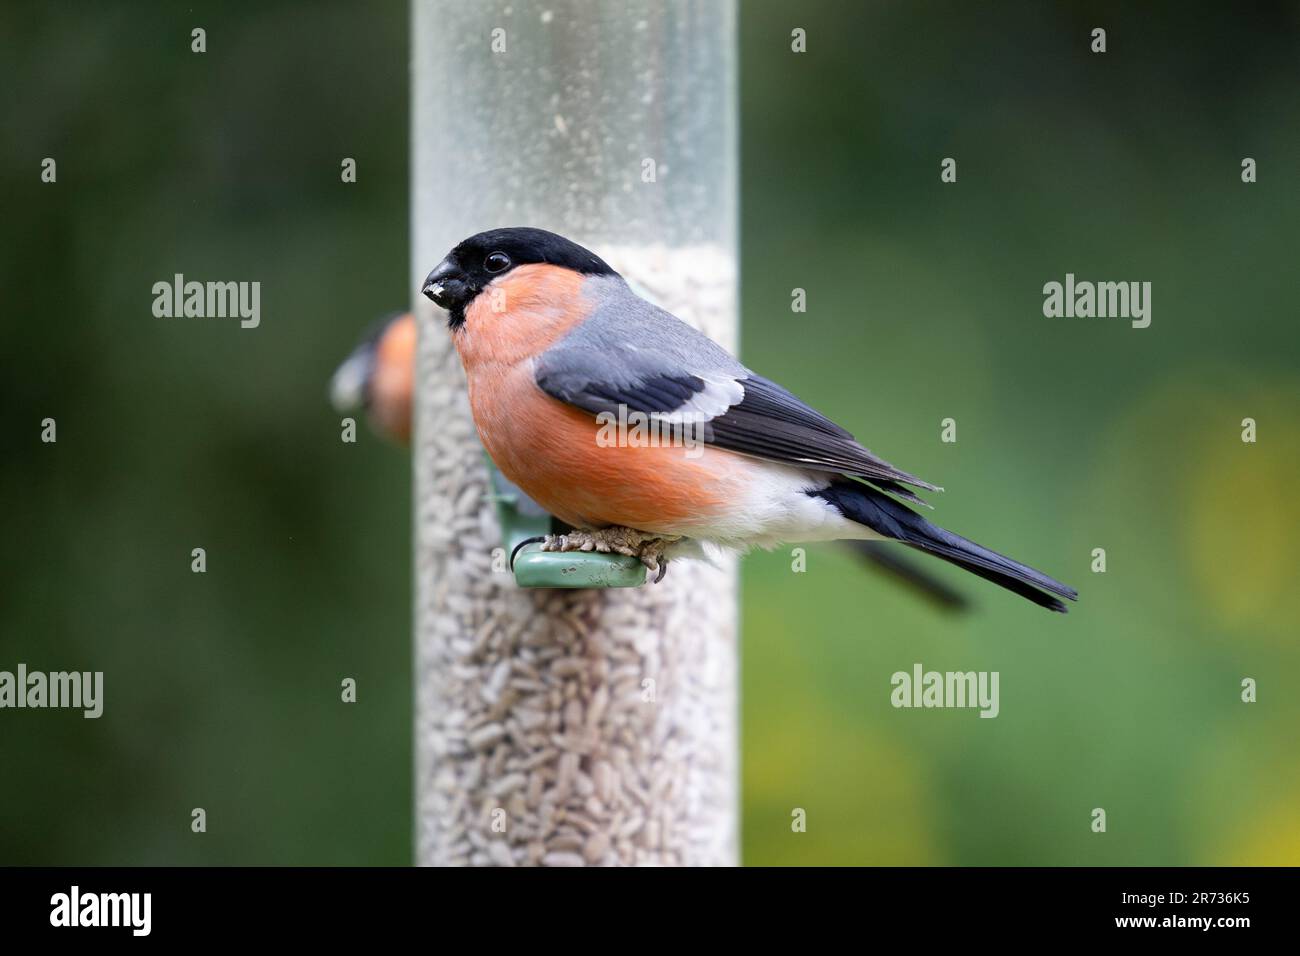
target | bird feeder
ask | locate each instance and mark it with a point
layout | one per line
(567, 712)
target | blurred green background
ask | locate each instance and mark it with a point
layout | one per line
(924, 302)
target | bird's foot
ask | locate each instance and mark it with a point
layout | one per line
(645, 547)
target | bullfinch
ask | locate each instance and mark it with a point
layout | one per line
(556, 347)
(377, 377)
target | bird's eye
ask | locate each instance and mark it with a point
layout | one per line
(496, 262)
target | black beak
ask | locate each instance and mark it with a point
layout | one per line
(443, 284)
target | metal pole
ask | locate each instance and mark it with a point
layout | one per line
(570, 727)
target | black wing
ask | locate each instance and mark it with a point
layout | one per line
(771, 422)
(740, 411)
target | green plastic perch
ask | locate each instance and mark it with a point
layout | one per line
(522, 518)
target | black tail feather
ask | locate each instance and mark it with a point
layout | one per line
(1012, 584)
(891, 518)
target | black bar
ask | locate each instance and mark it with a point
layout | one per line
(333, 905)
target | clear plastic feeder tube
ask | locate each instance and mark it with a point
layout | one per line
(583, 727)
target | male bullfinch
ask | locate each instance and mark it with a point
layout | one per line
(556, 346)
(378, 377)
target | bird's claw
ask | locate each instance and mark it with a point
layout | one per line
(646, 548)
